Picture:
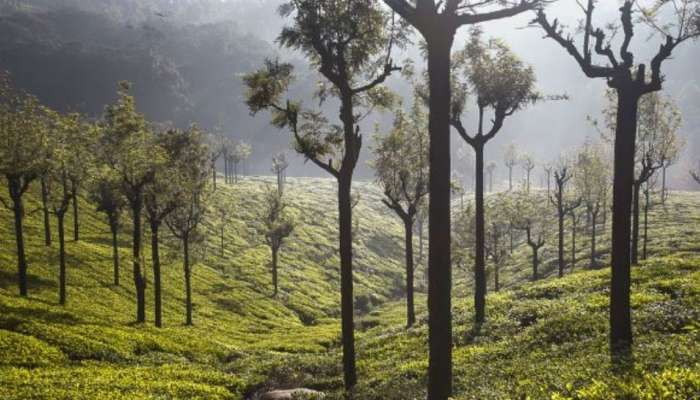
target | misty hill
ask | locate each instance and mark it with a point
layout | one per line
(542, 338)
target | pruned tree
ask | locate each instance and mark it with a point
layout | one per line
(105, 193)
(217, 147)
(530, 215)
(279, 168)
(501, 85)
(278, 226)
(346, 41)
(564, 204)
(630, 84)
(23, 150)
(191, 208)
(548, 168)
(527, 162)
(128, 148)
(497, 234)
(648, 192)
(592, 182)
(223, 210)
(438, 22)
(239, 154)
(490, 170)
(401, 168)
(510, 160)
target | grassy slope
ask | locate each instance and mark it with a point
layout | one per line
(541, 338)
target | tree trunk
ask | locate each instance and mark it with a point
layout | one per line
(155, 260)
(61, 259)
(439, 252)
(139, 280)
(535, 263)
(410, 309)
(496, 282)
(480, 260)
(213, 174)
(45, 209)
(663, 184)
(573, 242)
(594, 217)
(226, 172)
(76, 217)
(188, 281)
(274, 270)
(561, 235)
(646, 224)
(620, 315)
(510, 178)
(346, 281)
(18, 211)
(115, 250)
(635, 223)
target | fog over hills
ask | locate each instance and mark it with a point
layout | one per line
(185, 58)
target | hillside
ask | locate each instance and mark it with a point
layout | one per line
(542, 340)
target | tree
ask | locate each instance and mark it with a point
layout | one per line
(279, 167)
(346, 42)
(548, 168)
(184, 220)
(490, 170)
(592, 181)
(501, 84)
(530, 215)
(105, 193)
(277, 227)
(70, 143)
(648, 191)
(630, 85)
(23, 149)
(128, 147)
(510, 159)
(438, 22)
(401, 168)
(161, 197)
(240, 152)
(496, 235)
(217, 149)
(223, 209)
(563, 203)
(528, 164)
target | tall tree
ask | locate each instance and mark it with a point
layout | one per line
(277, 227)
(128, 147)
(527, 162)
(23, 150)
(501, 85)
(563, 172)
(630, 84)
(184, 220)
(497, 235)
(401, 168)
(348, 42)
(161, 197)
(217, 149)
(239, 154)
(438, 22)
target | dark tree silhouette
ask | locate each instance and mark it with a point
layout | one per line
(592, 181)
(105, 194)
(401, 165)
(529, 215)
(346, 42)
(501, 84)
(277, 227)
(630, 84)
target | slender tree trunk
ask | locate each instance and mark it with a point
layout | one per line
(274, 270)
(139, 280)
(496, 282)
(76, 217)
(226, 171)
(646, 224)
(594, 217)
(663, 184)
(573, 242)
(115, 250)
(439, 251)
(410, 309)
(510, 178)
(528, 182)
(535, 263)
(213, 174)
(620, 315)
(636, 187)
(346, 281)
(61, 259)
(45, 209)
(155, 260)
(18, 211)
(480, 260)
(188, 281)
(561, 237)
(235, 172)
